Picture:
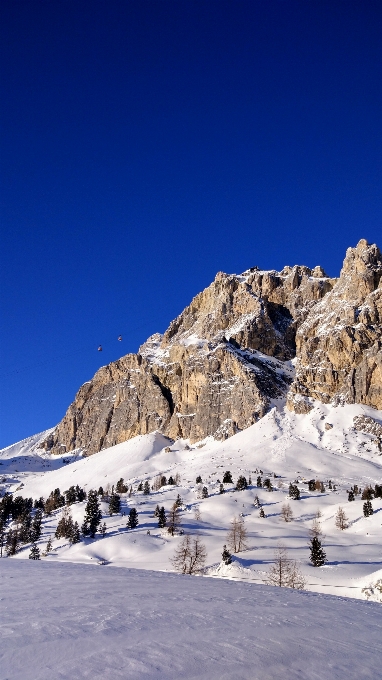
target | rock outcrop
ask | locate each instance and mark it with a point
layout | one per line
(224, 359)
(340, 341)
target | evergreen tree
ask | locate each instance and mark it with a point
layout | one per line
(114, 504)
(35, 532)
(70, 495)
(25, 527)
(80, 494)
(49, 546)
(173, 521)
(163, 481)
(378, 491)
(294, 492)
(132, 522)
(171, 481)
(140, 486)
(317, 553)
(199, 480)
(75, 535)
(267, 483)
(100, 491)
(259, 482)
(162, 519)
(103, 529)
(221, 488)
(367, 509)
(204, 492)
(226, 555)
(93, 515)
(249, 480)
(121, 486)
(12, 543)
(146, 488)
(39, 504)
(35, 552)
(241, 483)
(262, 513)
(178, 501)
(156, 511)
(351, 495)
(227, 479)
(65, 525)
(256, 502)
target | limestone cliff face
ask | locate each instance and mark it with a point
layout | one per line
(228, 354)
(339, 344)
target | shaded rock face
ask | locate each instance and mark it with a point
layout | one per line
(228, 354)
(340, 341)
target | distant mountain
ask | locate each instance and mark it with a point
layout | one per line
(242, 343)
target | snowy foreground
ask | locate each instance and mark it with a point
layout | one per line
(321, 445)
(73, 621)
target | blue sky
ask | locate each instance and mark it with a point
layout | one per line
(147, 145)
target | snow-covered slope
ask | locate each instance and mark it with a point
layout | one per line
(322, 444)
(103, 623)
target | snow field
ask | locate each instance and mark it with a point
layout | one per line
(293, 446)
(68, 621)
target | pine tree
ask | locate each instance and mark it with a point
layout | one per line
(49, 546)
(121, 486)
(294, 492)
(259, 482)
(70, 495)
(146, 488)
(93, 515)
(221, 488)
(317, 553)
(156, 511)
(100, 491)
(114, 504)
(178, 501)
(132, 522)
(12, 543)
(25, 527)
(162, 519)
(261, 513)
(351, 496)
(75, 536)
(80, 494)
(367, 509)
(140, 486)
(226, 555)
(204, 492)
(367, 493)
(103, 529)
(227, 479)
(36, 526)
(241, 483)
(171, 481)
(35, 552)
(199, 480)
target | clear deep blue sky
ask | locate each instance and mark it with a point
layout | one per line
(148, 144)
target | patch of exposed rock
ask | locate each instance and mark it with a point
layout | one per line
(213, 372)
(340, 341)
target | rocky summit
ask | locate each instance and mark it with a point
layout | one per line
(244, 341)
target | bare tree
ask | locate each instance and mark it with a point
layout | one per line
(284, 572)
(157, 483)
(341, 519)
(173, 520)
(190, 556)
(237, 535)
(177, 479)
(286, 512)
(197, 513)
(315, 531)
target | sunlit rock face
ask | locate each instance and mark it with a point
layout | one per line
(221, 362)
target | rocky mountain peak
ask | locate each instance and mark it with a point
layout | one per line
(223, 360)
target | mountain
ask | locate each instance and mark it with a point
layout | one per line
(244, 342)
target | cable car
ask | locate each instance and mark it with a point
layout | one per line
(100, 348)
(120, 338)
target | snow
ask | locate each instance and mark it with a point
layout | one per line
(69, 621)
(292, 446)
